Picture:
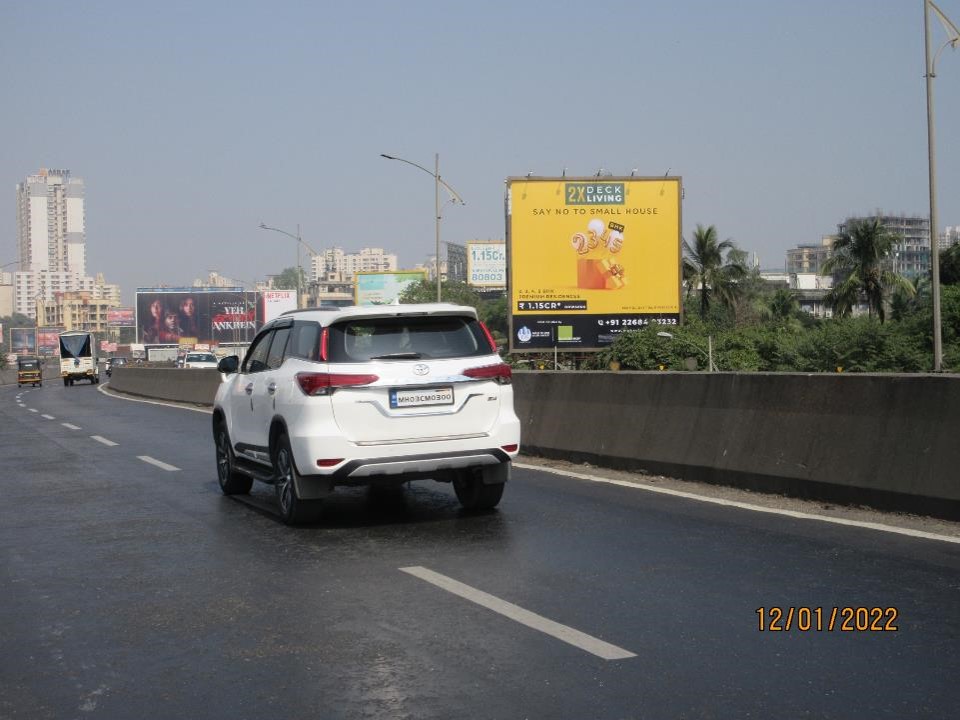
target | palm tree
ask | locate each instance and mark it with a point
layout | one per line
(859, 255)
(783, 304)
(714, 267)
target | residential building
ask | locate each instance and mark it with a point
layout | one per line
(50, 223)
(911, 253)
(75, 310)
(809, 258)
(333, 264)
(51, 235)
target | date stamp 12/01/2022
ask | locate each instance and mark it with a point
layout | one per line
(827, 619)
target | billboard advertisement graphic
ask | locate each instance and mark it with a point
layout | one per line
(591, 258)
(487, 264)
(48, 341)
(383, 288)
(23, 341)
(121, 317)
(276, 302)
(187, 316)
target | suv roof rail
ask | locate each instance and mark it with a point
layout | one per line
(321, 306)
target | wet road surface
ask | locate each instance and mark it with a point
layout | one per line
(132, 588)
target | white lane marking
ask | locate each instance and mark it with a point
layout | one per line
(48, 417)
(159, 464)
(34, 410)
(516, 613)
(664, 491)
(105, 389)
(747, 506)
(99, 439)
(69, 426)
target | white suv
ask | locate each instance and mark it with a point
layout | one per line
(374, 395)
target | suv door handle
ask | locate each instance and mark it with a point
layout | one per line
(272, 388)
(249, 389)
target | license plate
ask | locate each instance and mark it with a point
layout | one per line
(421, 397)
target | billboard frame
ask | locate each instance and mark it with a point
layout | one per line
(643, 319)
(356, 280)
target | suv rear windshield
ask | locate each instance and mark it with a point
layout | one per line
(406, 338)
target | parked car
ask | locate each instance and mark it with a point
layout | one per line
(376, 395)
(200, 360)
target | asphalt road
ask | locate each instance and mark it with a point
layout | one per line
(131, 588)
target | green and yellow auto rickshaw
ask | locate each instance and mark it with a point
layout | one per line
(29, 371)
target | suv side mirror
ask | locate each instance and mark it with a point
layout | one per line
(229, 364)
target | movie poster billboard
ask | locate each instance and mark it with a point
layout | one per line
(590, 258)
(383, 288)
(487, 264)
(23, 341)
(188, 316)
(121, 317)
(273, 303)
(48, 341)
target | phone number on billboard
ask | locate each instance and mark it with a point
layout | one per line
(636, 322)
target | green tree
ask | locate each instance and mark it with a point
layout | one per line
(783, 305)
(425, 291)
(714, 267)
(287, 279)
(859, 262)
(950, 265)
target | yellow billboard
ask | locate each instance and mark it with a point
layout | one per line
(590, 258)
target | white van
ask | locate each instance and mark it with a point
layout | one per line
(78, 357)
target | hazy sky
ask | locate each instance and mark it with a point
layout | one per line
(191, 123)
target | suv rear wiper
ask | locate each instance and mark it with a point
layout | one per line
(398, 356)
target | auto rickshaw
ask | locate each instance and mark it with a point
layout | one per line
(29, 371)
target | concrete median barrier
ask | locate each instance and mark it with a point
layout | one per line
(888, 441)
(189, 386)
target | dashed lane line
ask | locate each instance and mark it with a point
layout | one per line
(68, 426)
(33, 410)
(103, 440)
(48, 417)
(516, 613)
(162, 465)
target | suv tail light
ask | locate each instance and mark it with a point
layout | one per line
(325, 383)
(500, 372)
(486, 331)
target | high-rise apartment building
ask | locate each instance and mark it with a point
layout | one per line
(51, 224)
(911, 252)
(51, 235)
(333, 264)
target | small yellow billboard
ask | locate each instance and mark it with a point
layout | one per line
(590, 258)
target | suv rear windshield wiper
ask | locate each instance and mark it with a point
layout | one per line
(398, 356)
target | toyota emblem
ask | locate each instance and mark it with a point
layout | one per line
(421, 369)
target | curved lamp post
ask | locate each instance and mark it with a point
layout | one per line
(299, 240)
(930, 65)
(708, 354)
(437, 183)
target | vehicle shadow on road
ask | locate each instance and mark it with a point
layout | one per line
(365, 507)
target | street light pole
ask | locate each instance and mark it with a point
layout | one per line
(930, 66)
(437, 182)
(299, 240)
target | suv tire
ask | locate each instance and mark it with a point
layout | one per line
(231, 481)
(473, 494)
(293, 510)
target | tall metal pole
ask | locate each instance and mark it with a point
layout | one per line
(436, 205)
(438, 181)
(934, 245)
(299, 293)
